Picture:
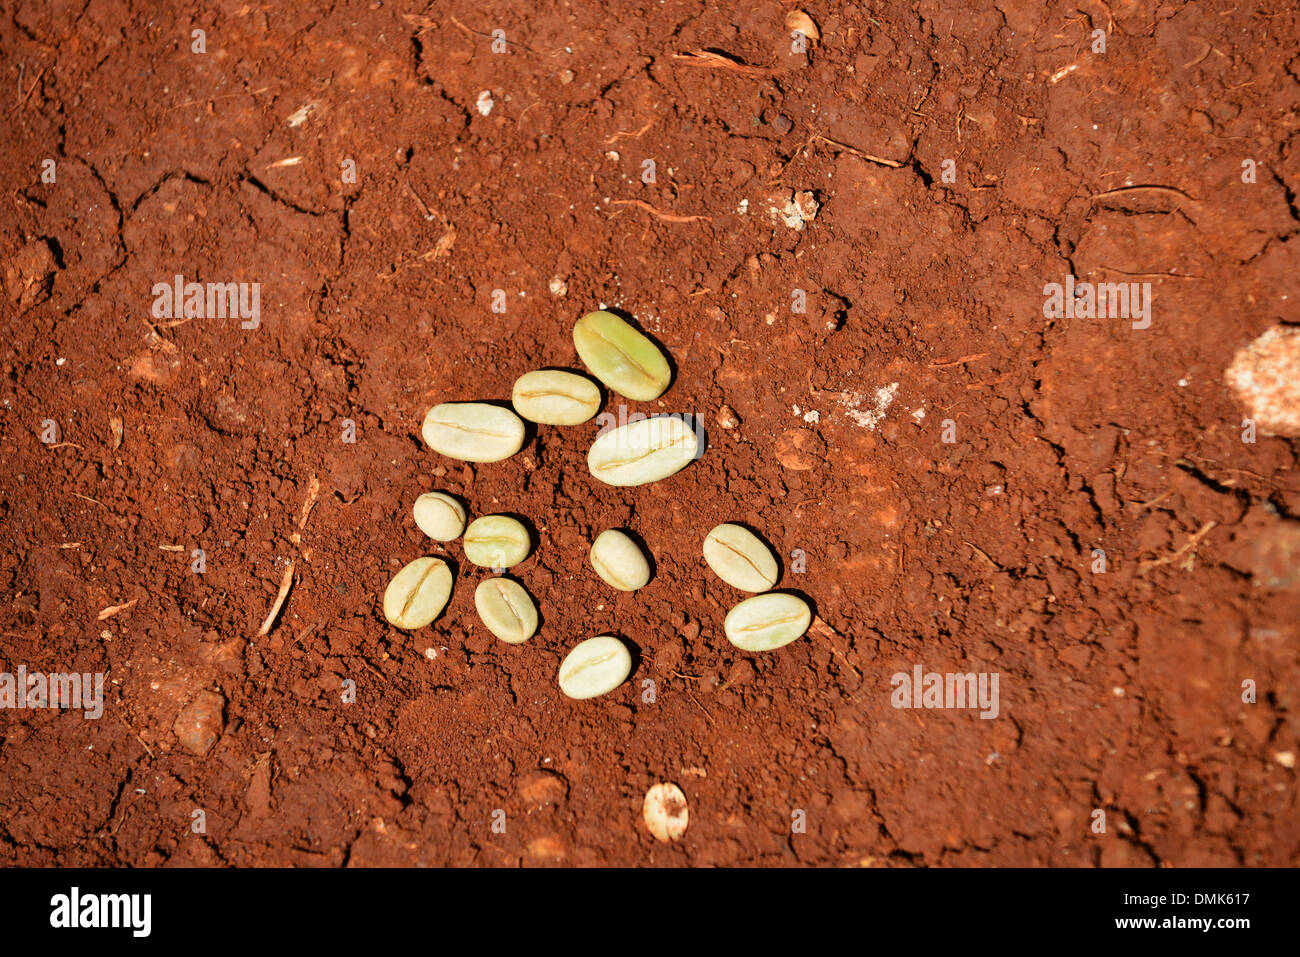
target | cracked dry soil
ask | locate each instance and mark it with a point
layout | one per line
(778, 174)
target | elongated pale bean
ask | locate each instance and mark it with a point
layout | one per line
(769, 621)
(740, 558)
(595, 667)
(643, 451)
(618, 561)
(439, 516)
(473, 431)
(496, 541)
(506, 609)
(555, 398)
(418, 593)
(621, 357)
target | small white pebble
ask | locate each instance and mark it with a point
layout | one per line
(299, 116)
(485, 102)
(59, 361)
(1285, 758)
(812, 416)
(665, 812)
(1183, 383)
(559, 287)
(1265, 379)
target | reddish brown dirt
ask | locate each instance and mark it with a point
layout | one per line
(1119, 691)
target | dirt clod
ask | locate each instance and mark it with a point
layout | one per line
(199, 725)
(29, 273)
(799, 449)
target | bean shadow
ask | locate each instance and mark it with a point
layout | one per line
(780, 561)
(812, 605)
(451, 561)
(541, 619)
(633, 649)
(645, 550)
(534, 537)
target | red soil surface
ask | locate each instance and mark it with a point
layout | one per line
(1120, 691)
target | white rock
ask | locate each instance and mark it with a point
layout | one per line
(1265, 379)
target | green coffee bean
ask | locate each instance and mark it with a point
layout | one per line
(618, 561)
(439, 516)
(418, 593)
(769, 621)
(496, 541)
(643, 451)
(740, 559)
(555, 398)
(473, 431)
(621, 357)
(506, 609)
(595, 667)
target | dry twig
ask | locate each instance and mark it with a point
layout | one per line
(631, 136)
(892, 164)
(721, 61)
(1192, 543)
(285, 584)
(957, 362)
(667, 217)
(112, 610)
(1151, 187)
